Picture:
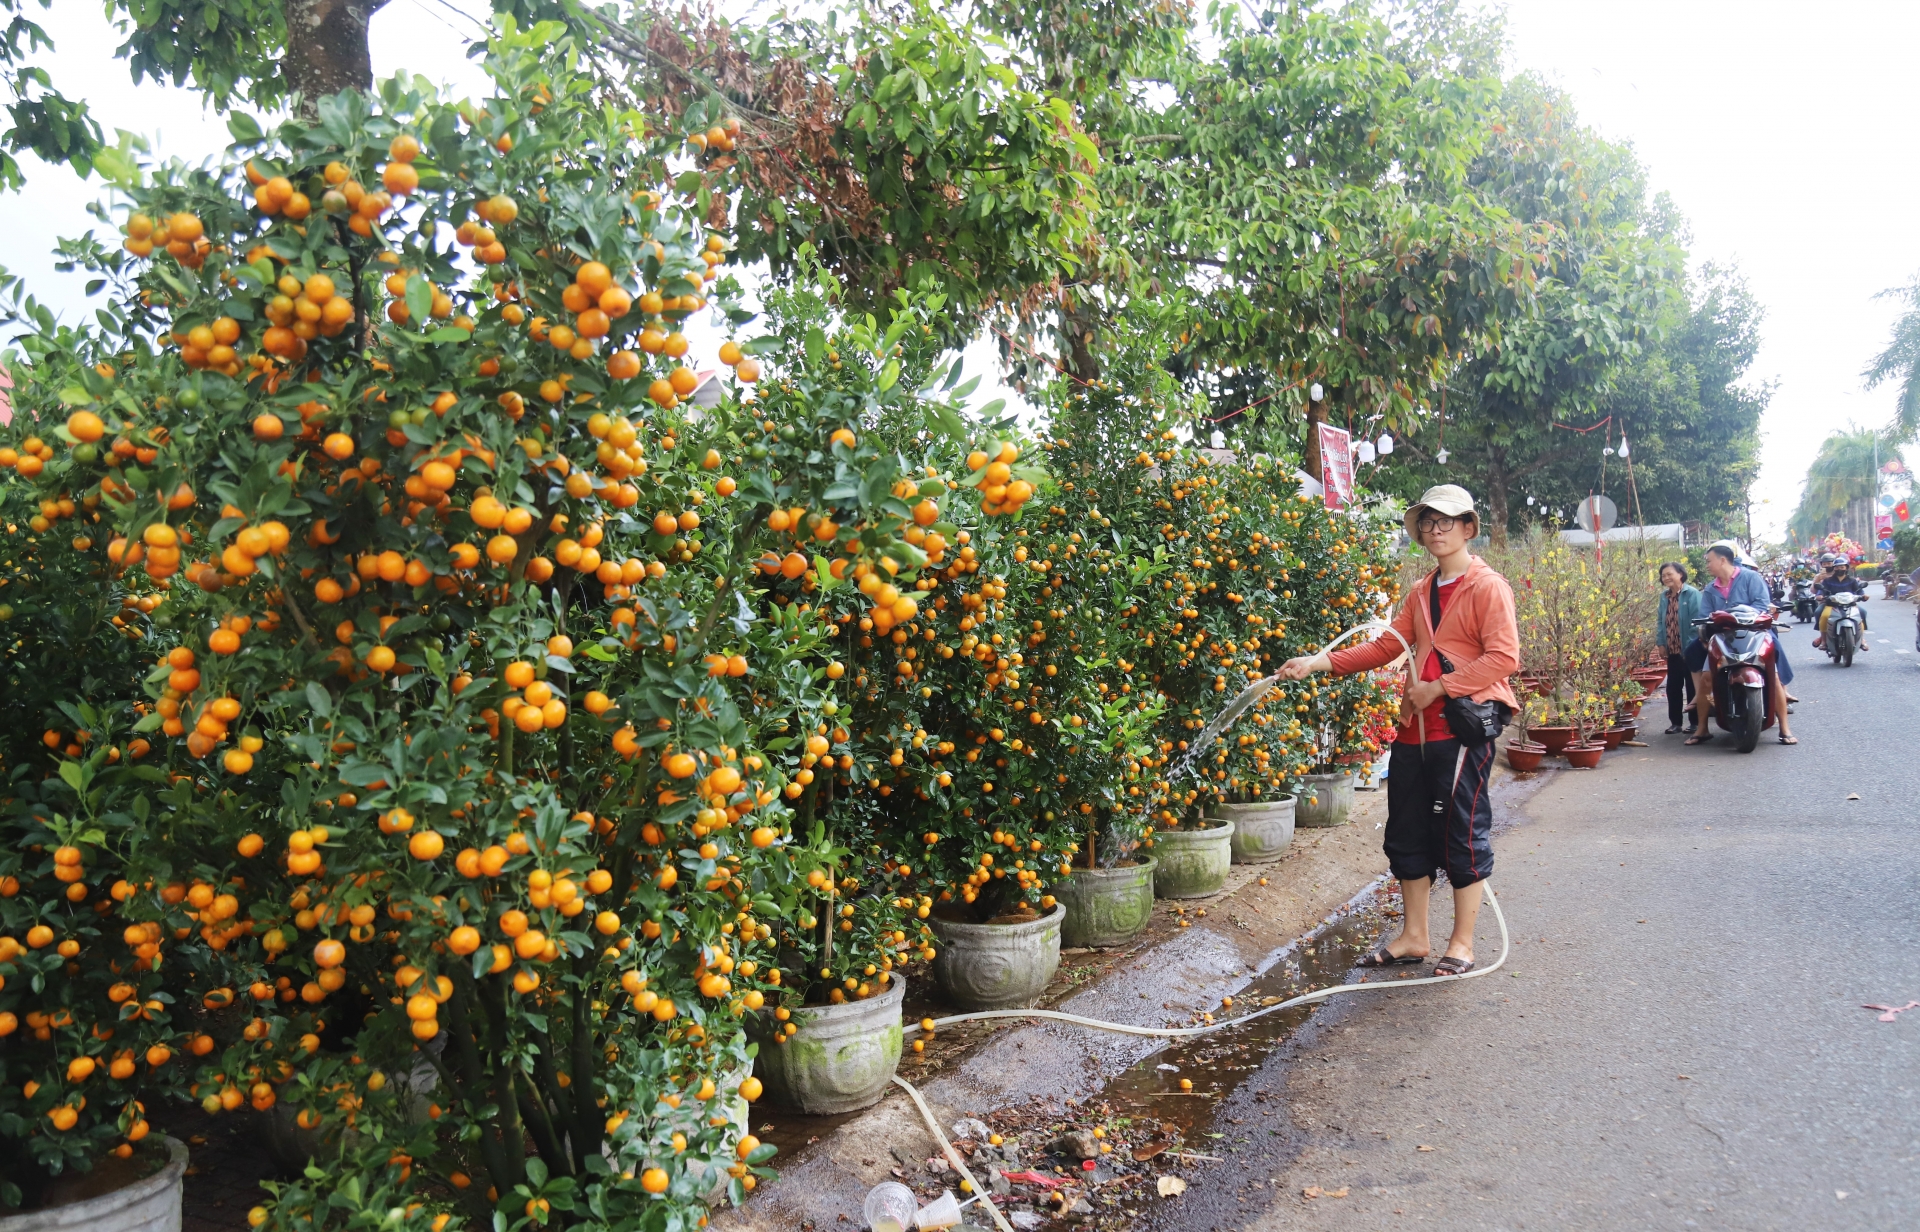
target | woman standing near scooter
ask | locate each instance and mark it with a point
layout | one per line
(1459, 620)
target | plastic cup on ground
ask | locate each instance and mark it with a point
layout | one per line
(889, 1207)
(942, 1212)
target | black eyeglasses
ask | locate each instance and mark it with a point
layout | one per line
(1430, 525)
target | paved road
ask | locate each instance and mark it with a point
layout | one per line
(1678, 1041)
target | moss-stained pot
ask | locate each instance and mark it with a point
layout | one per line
(1106, 906)
(841, 1059)
(1192, 863)
(1324, 800)
(150, 1204)
(997, 966)
(1262, 831)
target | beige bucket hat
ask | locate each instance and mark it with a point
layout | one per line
(1447, 499)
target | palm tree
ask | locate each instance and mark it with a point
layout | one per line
(1842, 472)
(1900, 362)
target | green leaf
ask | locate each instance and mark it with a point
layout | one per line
(889, 375)
(816, 345)
(450, 333)
(419, 299)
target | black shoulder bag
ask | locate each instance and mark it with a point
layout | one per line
(1472, 723)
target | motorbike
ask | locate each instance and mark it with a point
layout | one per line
(1843, 627)
(1806, 603)
(1740, 664)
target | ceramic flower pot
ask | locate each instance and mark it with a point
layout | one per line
(1584, 756)
(1324, 800)
(1106, 906)
(1262, 831)
(1612, 737)
(149, 1204)
(997, 966)
(1554, 738)
(1524, 758)
(1192, 863)
(842, 1058)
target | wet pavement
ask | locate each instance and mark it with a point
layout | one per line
(1679, 1040)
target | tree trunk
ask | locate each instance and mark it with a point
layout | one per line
(1079, 320)
(1497, 495)
(327, 48)
(1310, 454)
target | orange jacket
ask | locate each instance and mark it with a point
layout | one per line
(1478, 634)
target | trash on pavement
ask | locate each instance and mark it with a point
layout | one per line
(1172, 1186)
(1893, 1012)
(889, 1207)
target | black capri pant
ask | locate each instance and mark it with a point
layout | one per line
(1439, 816)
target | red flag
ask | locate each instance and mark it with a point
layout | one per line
(1901, 513)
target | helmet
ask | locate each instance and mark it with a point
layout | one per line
(1830, 559)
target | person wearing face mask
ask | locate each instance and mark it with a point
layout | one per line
(1459, 620)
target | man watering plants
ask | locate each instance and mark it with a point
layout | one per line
(1459, 621)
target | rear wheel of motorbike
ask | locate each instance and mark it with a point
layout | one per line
(1753, 716)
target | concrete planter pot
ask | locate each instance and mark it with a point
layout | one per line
(150, 1204)
(842, 1058)
(997, 966)
(1261, 831)
(1193, 863)
(1325, 800)
(1106, 906)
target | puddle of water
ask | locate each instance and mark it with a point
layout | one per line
(1216, 1064)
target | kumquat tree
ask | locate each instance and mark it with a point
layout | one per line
(450, 814)
(454, 716)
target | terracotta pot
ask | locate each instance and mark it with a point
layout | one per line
(1525, 758)
(1610, 739)
(1554, 738)
(1584, 756)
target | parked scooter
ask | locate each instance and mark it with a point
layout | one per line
(1740, 663)
(1843, 627)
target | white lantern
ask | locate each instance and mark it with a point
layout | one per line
(1365, 450)
(1529, 500)
(1386, 444)
(1441, 457)
(1316, 393)
(1623, 446)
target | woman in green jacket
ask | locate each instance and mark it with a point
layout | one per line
(1678, 607)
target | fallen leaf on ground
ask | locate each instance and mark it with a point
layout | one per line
(1172, 1186)
(1423, 1147)
(1033, 1178)
(1311, 1191)
(1147, 1150)
(1337, 1193)
(1684, 1077)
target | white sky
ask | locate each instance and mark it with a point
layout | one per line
(1769, 123)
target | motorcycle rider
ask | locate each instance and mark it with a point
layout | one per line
(1839, 579)
(1732, 586)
